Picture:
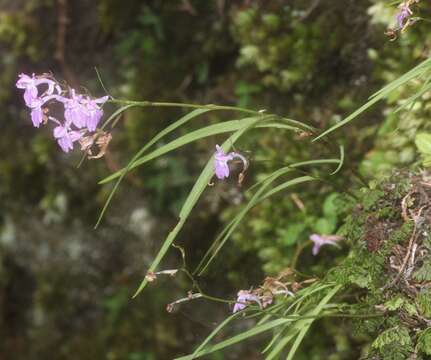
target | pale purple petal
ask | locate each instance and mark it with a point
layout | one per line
(65, 144)
(221, 169)
(74, 114)
(30, 95)
(93, 118)
(238, 307)
(75, 135)
(25, 81)
(101, 100)
(316, 249)
(320, 240)
(37, 116)
(50, 83)
(59, 132)
(65, 137)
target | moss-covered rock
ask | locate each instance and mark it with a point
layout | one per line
(388, 266)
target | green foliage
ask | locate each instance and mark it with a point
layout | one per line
(423, 143)
(424, 272)
(394, 343)
(424, 303)
(424, 341)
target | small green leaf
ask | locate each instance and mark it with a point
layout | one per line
(424, 272)
(424, 302)
(397, 335)
(394, 304)
(290, 235)
(424, 341)
(325, 226)
(329, 206)
(423, 143)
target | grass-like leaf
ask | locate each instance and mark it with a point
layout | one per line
(417, 71)
(215, 129)
(193, 114)
(222, 325)
(193, 197)
(255, 199)
(237, 338)
(305, 324)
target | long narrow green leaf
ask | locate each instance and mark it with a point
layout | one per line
(193, 114)
(192, 199)
(283, 342)
(238, 338)
(340, 162)
(307, 322)
(412, 99)
(381, 94)
(356, 113)
(297, 165)
(409, 75)
(301, 327)
(299, 298)
(215, 332)
(256, 198)
(220, 128)
(221, 239)
(287, 184)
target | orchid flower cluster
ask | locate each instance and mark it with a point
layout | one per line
(82, 114)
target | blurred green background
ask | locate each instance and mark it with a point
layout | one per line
(65, 288)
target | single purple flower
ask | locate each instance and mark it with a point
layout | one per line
(403, 15)
(320, 240)
(74, 110)
(94, 112)
(37, 114)
(221, 159)
(221, 167)
(243, 300)
(66, 137)
(30, 85)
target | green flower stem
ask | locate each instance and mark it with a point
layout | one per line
(184, 105)
(132, 103)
